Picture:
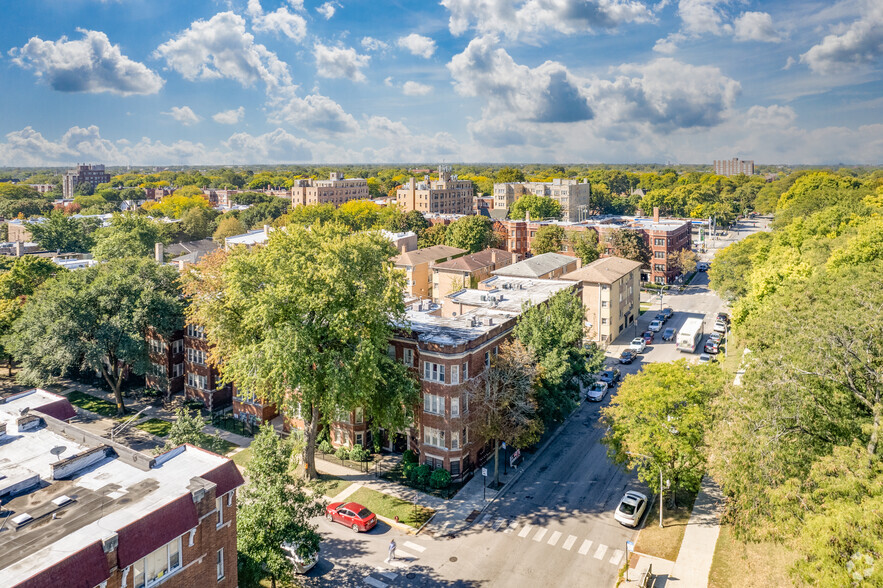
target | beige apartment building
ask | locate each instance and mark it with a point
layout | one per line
(417, 264)
(446, 195)
(335, 190)
(611, 291)
(467, 271)
(573, 196)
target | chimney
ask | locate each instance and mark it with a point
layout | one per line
(159, 253)
(494, 257)
(267, 230)
(527, 216)
(18, 248)
(403, 248)
(655, 214)
(514, 257)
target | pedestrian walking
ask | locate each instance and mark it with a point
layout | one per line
(392, 551)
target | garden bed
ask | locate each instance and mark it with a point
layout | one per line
(665, 542)
(396, 474)
(391, 507)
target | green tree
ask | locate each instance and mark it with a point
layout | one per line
(326, 298)
(274, 512)
(473, 233)
(416, 222)
(198, 223)
(188, 428)
(554, 334)
(63, 233)
(662, 413)
(436, 234)
(630, 244)
(733, 264)
(502, 404)
(585, 245)
(509, 174)
(549, 239)
(228, 227)
(685, 261)
(178, 204)
(310, 214)
(84, 189)
(96, 319)
(264, 213)
(539, 207)
(359, 215)
(129, 235)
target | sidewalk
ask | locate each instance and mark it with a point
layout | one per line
(700, 538)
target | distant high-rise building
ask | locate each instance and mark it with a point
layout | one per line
(733, 167)
(88, 174)
(573, 196)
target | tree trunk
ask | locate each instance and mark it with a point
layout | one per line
(116, 385)
(875, 429)
(311, 431)
(496, 463)
(273, 581)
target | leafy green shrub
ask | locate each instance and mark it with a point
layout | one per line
(420, 475)
(440, 478)
(407, 468)
(359, 453)
(325, 446)
(409, 457)
(342, 453)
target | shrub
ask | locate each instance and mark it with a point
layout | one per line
(407, 468)
(440, 478)
(420, 475)
(359, 453)
(342, 453)
(325, 446)
(409, 457)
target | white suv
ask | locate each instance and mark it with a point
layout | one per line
(637, 345)
(655, 325)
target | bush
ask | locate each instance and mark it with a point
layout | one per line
(420, 475)
(325, 446)
(409, 457)
(359, 453)
(342, 453)
(440, 478)
(408, 468)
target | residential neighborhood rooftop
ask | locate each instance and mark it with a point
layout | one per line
(536, 266)
(427, 254)
(606, 270)
(475, 261)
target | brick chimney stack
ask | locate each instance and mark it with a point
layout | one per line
(655, 214)
(159, 253)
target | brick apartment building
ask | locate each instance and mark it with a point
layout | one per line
(417, 266)
(83, 174)
(467, 271)
(166, 372)
(85, 512)
(733, 167)
(446, 195)
(573, 196)
(610, 288)
(201, 379)
(335, 190)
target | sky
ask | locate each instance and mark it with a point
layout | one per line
(216, 82)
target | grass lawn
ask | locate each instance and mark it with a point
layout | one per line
(665, 542)
(155, 426)
(390, 507)
(243, 457)
(749, 565)
(330, 485)
(92, 403)
(226, 447)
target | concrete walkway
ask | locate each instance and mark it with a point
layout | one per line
(700, 538)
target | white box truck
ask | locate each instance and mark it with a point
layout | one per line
(690, 335)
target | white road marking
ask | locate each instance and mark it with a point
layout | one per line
(512, 526)
(599, 553)
(568, 543)
(402, 554)
(540, 534)
(524, 531)
(585, 547)
(414, 546)
(554, 538)
(390, 575)
(375, 582)
(484, 519)
(498, 523)
(399, 563)
(617, 556)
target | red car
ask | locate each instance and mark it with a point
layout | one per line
(648, 337)
(351, 514)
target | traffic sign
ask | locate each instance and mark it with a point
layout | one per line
(630, 545)
(484, 472)
(503, 445)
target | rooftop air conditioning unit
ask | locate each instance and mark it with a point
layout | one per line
(484, 297)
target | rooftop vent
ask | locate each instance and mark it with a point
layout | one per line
(22, 519)
(61, 500)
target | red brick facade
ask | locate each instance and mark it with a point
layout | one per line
(167, 371)
(201, 380)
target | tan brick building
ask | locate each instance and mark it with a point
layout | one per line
(610, 288)
(417, 266)
(467, 271)
(446, 195)
(335, 190)
(573, 196)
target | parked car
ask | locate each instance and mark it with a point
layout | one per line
(722, 316)
(720, 326)
(597, 391)
(637, 345)
(351, 514)
(648, 337)
(631, 508)
(626, 356)
(655, 325)
(301, 565)
(667, 312)
(705, 358)
(609, 377)
(718, 337)
(669, 334)
(712, 347)
(702, 266)
(660, 317)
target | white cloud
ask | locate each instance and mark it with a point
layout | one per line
(340, 62)
(229, 117)
(789, 63)
(547, 93)
(220, 48)
(701, 17)
(669, 44)
(184, 115)
(756, 26)
(529, 19)
(372, 44)
(859, 43)
(277, 146)
(328, 9)
(293, 26)
(90, 64)
(387, 81)
(415, 89)
(417, 45)
(315, 113)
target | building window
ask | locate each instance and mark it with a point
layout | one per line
(434, 372)
(195, 332)
(360, 416)
(151, 569)
(659, 254)
(156, 346)
(659, 241)
(660, 280)
(196, 356)
(434, 437)
(455, 467)
(408, 357)
(178, 370)
(603, 321)
(197, 381)
(433, 404)
(219, 504)
(220, 564)
(391, 351)
(603, 304)
(455, 440)
(455, 406)
(178, 346)
(465, 371)
(487, 359)
(659, 267)
(455, 374)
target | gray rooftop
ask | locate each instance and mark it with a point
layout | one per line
(536, 266)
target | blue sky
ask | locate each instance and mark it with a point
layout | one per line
(163, 82)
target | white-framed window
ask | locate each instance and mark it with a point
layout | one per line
(158, 369)
(196, 356)
(455, 406)
(487, 359)
(219, 504)
(178, 370)
(465, 372)
(391, 351)
(455, 374)
(659, 254)
(408, 357)
(157, 346)
(434, 437)
(220, 564)
(178, 346)
(455, 440)
(195, 332)
(197, 381)
(360, 416)
(603, 304)
(433, 404)
(434, 372)
(155, 566)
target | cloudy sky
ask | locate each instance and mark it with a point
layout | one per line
(275, 81)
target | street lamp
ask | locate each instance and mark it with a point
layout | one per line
(660, 481)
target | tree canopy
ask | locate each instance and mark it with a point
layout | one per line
(549, 239)
(473, 233)
(630, 244)
(585, 245)
(129, 235)
(60, 232)
(539, 207)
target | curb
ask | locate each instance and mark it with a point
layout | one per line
(401, 527)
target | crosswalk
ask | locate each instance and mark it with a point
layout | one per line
(407, 553)
(552, 538)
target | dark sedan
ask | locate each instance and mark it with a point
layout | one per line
(626, 356)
